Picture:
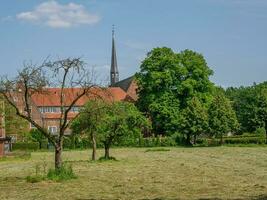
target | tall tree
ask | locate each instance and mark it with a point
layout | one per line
(120, 120)
(89, 121)
(194, 120)
(32, 80)
(157, 84)
(222, 118)
(250, 105)
(167, 82)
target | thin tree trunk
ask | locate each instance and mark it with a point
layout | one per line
(107, 151)
(221, 142)
(195, 139)
(188, 143)
(40, 145)
(94, 147)
(58, 156)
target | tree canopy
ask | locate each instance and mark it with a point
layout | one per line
(167, 83)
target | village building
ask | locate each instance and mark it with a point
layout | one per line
(45, 107)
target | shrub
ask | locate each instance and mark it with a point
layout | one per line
(231, 140)
(35, 179)
(64, 173)
(260, 132)
(245, 140)
(25, 146)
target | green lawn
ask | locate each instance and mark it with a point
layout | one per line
(181, 173)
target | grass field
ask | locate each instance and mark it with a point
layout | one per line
(177, 173)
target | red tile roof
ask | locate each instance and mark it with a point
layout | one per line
(51, 96)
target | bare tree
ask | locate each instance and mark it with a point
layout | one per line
(33, 80)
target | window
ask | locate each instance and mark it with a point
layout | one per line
(75, 109)
(52, 130)
(49, 109)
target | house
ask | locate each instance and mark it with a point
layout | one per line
(45, 106)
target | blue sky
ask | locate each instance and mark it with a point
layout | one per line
(231, 34)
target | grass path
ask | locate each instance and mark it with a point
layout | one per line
(181, 173)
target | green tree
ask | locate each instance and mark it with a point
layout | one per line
(167, 82)
(37, 136)
(89, 120)
(194, 120)
(250, 105)
(222, 118)
(120, 119)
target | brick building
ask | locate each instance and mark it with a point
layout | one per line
(45, 106)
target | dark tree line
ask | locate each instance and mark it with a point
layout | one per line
(250, 105)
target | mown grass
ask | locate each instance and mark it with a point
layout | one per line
(181, 173)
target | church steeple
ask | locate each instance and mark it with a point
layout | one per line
(114, 72)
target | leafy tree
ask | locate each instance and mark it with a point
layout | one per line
(250, 105)
(120, 119)
(89, 121)
(194, 120)
(222, 118)
(37, 136)
(167, 82)
(157, 84)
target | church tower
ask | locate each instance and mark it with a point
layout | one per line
(114, 72)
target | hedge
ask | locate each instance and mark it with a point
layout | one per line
(231, 140)
(25, 146)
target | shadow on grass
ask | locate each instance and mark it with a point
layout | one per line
(156, 150)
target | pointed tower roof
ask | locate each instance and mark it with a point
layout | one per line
(114, 66)
(114, 72)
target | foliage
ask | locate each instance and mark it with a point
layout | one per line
(222, 118)
(250, 105)
(33, 79)
(37, 136)
(13, 123)
(89, 121)
(167, 81)
(120, 120)
(61, 174)
(25, 146)
(110, 123)
(231, 140)
(194, 119)
(260, 131)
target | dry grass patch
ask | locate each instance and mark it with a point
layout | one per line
(180, 173)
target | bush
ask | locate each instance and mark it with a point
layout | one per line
(25, 146)
(260, 132)
(245, 140)
(34, 179)
(231, 140)
(64, 173)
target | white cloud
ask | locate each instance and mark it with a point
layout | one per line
(56, 15)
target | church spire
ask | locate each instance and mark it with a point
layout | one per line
(114, 72)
